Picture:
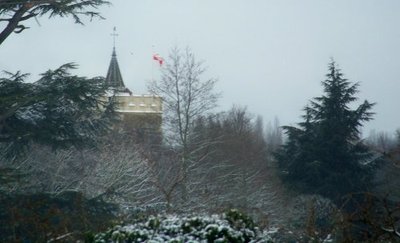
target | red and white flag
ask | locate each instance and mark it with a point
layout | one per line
(158, 58)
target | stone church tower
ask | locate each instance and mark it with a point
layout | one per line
(141, 115)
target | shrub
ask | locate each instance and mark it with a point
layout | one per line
(40, 217)
(233, 226)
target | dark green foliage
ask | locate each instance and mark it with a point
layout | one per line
(59, 110)
(398, 137)
(239, 220)
(40, 217)
(372, 219)
(9, 175)
(61, 8)
(15, 12)
(234, 226)
(324, 154)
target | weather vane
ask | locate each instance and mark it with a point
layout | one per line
(114, 34)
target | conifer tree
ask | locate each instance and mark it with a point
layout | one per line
(324, 153)
(59, 110)
(15, 13)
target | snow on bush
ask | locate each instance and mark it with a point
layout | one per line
(232, 226)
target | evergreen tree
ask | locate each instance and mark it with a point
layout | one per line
(398, 137)
(324, 153)
(17, 12)
(59, 110)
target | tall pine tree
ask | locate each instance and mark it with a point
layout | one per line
(324, 154)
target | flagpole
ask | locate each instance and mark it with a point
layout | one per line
(152, 64)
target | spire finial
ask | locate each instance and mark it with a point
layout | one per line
(114, 34)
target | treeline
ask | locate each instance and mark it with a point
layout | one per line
(62, 161)
(208, 161)
(52, 147)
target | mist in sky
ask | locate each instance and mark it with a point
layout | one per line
(270, 56)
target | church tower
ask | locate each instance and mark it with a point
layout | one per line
(141, 115)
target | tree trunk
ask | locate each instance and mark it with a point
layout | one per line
(12, 23)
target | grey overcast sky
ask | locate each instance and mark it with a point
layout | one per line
(270, 56)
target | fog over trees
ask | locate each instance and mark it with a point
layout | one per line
(69, 171)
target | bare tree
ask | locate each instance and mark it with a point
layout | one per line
(381, 141)
(200, 183)
(164, 175)
(186, 96)
(116, 172)
(119, 174)
(45, 170)
(254, 187)
(387, 153)
(273, 135)
(236, 171)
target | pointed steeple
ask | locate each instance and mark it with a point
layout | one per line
(114, 78)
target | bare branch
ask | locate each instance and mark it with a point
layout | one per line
(20, 28)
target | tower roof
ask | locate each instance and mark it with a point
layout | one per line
(114, 78)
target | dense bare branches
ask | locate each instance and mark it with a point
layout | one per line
(371, 219)
(115, 172)
(241, 173)
(186, 95)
